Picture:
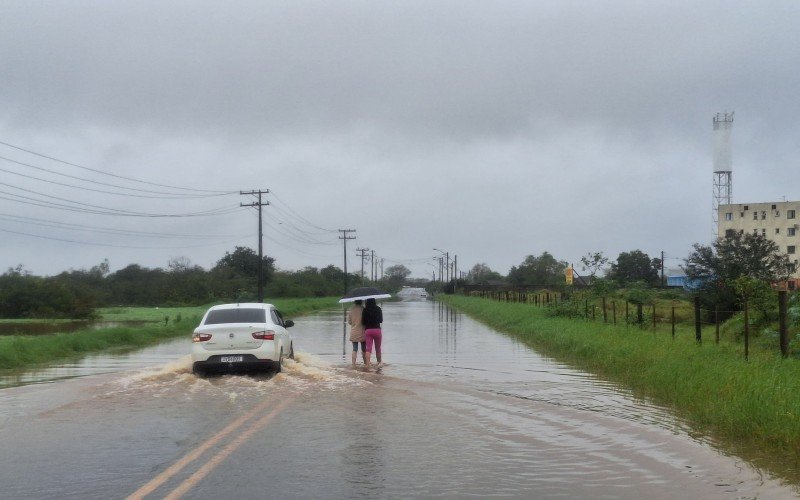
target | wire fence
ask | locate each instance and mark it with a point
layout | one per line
(654, 316)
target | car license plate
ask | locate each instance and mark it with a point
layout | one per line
(231, 359)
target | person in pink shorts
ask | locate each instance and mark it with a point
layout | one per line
(371, 318)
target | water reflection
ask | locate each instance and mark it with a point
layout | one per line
(447, 329)
(458, 410)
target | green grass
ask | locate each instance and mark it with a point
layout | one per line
(21, 352)
(749, 407)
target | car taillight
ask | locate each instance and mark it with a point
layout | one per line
(268, 335)
(201, 337)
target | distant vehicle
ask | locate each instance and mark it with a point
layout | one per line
(411, 293)
(241, 337)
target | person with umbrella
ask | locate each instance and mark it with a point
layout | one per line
(371, 318)
(357, 330)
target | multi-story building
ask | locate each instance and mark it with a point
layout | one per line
(778, 221)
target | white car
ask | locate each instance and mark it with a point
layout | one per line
(241, 337)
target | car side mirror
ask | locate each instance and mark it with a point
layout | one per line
(288, 323)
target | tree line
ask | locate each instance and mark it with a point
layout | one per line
(722, 274)
(233, 278)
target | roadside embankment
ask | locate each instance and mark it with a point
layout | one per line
(23, 351)
(751, 408)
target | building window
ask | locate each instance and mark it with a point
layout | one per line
(746, 207)
(790, 231)
(755, 215)
(777, 230)
(741, 214)
(764, 215)
(764, 231)
(729, 233)
(790, 214)
(790, 249)
(774, 207)
(728, 215)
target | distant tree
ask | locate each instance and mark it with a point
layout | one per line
(541, 270)
(635, 266)
(25, 296)
(179, 264)
(235, 276)
(397, 273)
(715, 268)
(481, 273)
(243, 261)
(137, 285)
(594, 262)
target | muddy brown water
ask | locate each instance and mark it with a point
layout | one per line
(458, 410)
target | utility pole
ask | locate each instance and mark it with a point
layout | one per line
(382, 259)
(362, 252)
(258, 204)
(344, 237)
(662, 268)
(373, 266)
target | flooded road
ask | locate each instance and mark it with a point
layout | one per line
(457, 410)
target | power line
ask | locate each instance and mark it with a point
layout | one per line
(108, 173)
(105, 230)
(227, 242)
(174, 196)
(100, 210)
(300, 217)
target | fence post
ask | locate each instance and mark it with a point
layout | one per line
(614, 311)
(716, 323)
(605, 313)
(654, 316)
(746, 332)
(673, 322)
(782, 323)
(698, 335)
(639, 315)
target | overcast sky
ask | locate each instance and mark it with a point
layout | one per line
(490, 130)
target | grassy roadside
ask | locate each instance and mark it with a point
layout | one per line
(21, 351)
(750, 407)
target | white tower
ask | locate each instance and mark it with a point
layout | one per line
(722, 165)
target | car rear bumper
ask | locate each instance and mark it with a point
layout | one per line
(249, 363)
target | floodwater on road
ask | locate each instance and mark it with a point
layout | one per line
(457, 410)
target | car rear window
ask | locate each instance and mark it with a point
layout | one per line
(241, 315)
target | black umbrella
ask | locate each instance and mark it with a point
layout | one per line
(364, 293)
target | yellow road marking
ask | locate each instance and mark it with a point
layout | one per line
(214, 461)
(194, 454)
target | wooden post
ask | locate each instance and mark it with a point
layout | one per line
(639, 315)
(746, 332)
(614, 311)
(673, 322)
(654, 316)
(698, 333)
(605, 313)
(782, 323)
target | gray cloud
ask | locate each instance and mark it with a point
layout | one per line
(494, 129)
